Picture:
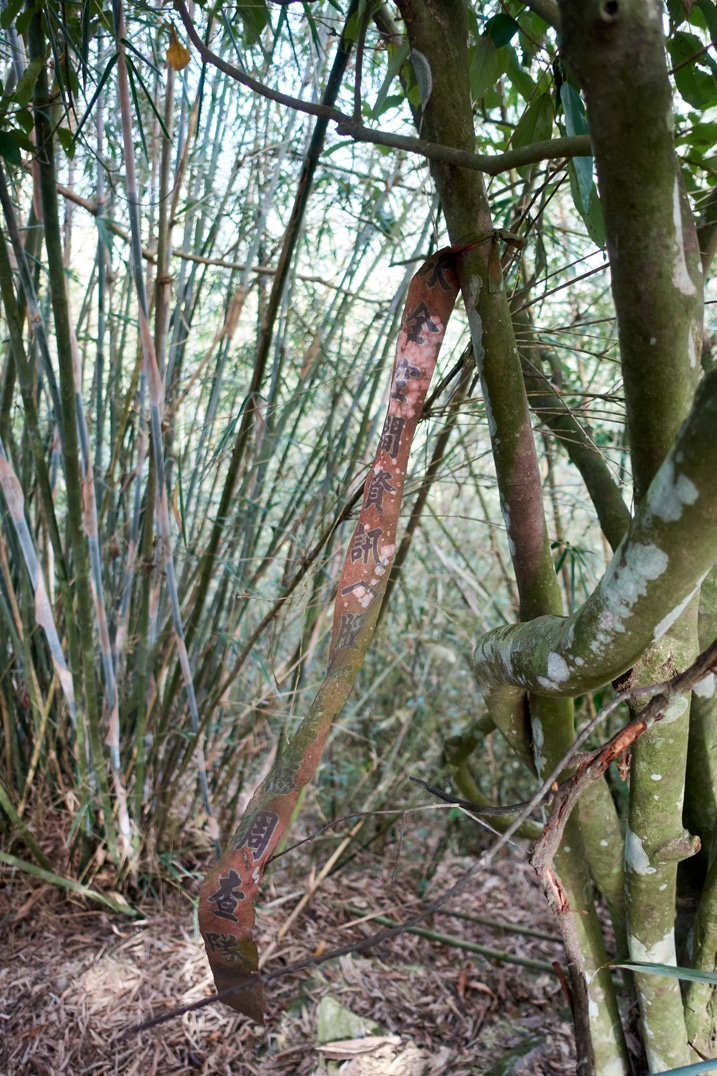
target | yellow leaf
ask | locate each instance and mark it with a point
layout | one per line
(177, 55)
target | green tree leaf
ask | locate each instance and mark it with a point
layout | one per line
(535, 125)
(577, 124)
(422, 74)
(676, 12)
(708, 9)
(24, 119)
(502, 29)
(24, 19)
(9, 149)
(254, 16)
(519, 77)
(12, 9)
(485, 67)
(66, 140)
(696, 85)
(590, 211)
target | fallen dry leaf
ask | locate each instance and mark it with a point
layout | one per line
(345, 1049)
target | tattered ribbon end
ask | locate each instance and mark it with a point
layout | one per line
(248, 1000)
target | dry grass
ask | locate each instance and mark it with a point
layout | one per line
(73, 980)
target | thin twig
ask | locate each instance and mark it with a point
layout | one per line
(479, 808)
(356, 814)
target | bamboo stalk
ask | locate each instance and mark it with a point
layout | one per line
(156, 396)
(460, 943)
(70, 446)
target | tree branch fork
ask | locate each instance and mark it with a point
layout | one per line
(593, 765)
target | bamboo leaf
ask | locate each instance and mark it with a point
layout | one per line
(144, 59)
(85, 42)
(135, 98)
(68, 883)
(7, 806)
(105, 75)
(397, 57)
(26, 82)
(150, 99)
(670, 971)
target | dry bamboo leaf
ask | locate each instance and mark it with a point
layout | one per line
(345, 1049)
(28, 904)
(481, 988)
(462, 979)
(177, 55)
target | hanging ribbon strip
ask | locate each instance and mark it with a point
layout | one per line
(230, 889)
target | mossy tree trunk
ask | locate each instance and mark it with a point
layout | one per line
(642, 616)
(439, 31)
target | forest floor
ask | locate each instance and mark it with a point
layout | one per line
(74, 978)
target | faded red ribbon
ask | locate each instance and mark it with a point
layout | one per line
(230, 889)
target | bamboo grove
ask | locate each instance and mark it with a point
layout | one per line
(211, 217)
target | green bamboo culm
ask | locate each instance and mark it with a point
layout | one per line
(70, 441)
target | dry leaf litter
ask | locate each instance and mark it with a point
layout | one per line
(74, 978)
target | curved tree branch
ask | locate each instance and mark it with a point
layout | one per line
(493, 165)
(669, 547)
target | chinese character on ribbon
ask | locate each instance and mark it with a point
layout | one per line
(404, 372)
(434, 270)
(259, 834)
(379, 482)
(391, 435)
(226, 946)
(360, 589)
(418, 322)
(349, 629)
(225, 899)
(364, 544)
